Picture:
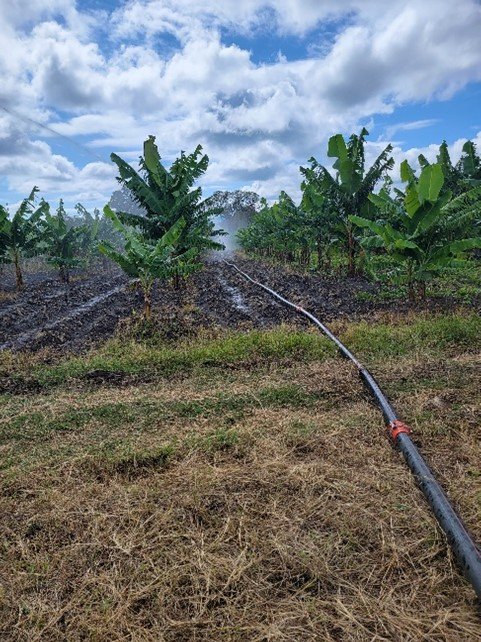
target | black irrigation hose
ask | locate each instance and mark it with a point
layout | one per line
(465, 550)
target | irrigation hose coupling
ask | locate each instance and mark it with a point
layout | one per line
(397, 427)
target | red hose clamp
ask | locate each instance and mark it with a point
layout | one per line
(396, 427)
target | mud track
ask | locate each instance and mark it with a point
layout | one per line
(49, 313)
(88, 311)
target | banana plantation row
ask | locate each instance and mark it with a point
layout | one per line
(431, 225)
(165, 242)
(351, 216)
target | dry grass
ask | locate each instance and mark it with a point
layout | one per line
(6, 296)
(232, 506)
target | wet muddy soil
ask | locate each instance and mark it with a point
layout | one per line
(49, 313)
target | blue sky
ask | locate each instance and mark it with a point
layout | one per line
(261, 84)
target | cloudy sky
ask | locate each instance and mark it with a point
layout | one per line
(261, 84)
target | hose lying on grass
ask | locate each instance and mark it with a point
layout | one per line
(465, 550)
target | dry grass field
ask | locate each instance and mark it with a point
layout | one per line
(239, 487)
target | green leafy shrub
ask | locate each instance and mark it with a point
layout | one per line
(148, 260)
(19, 235)
(429, 228)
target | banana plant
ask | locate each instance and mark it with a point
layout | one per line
(321, 222)
(470, 163)
(147, 260)
(168, 195)
(347, 193)
(281, 231)
(90, 225)
(463, 176)
(431, 226)
(19, 235)
(60, 243)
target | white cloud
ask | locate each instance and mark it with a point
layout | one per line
(20, 12)
(410, 126)
(257, 122)
(185, 17)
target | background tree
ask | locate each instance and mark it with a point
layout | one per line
(236, 209)
(147, 260)
(19, 235)
(235, 203)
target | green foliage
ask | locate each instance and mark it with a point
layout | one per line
(321, 222)
(60, 243)
(148, 260)
(432, 228)
(282, 231)
(19, 234)
(169, 195)
(461, 177)
(98, 227)
(347, 193)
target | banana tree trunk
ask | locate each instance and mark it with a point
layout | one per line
(410, 282)
(305, 257)
(351, 250)
(319, 253)
(18, 271)
(177, 280)
(64, 274)
(147, 302)
(411, 293)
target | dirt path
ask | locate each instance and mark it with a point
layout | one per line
(49, 313)
(64, 323)
(230, 301)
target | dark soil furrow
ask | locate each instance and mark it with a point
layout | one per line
(48, 313)
(27, 337)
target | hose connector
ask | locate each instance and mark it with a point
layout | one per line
(397, 427)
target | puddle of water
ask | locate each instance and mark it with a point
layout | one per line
(235, 295)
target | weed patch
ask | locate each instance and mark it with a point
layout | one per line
(435, 335)
(118, 360)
